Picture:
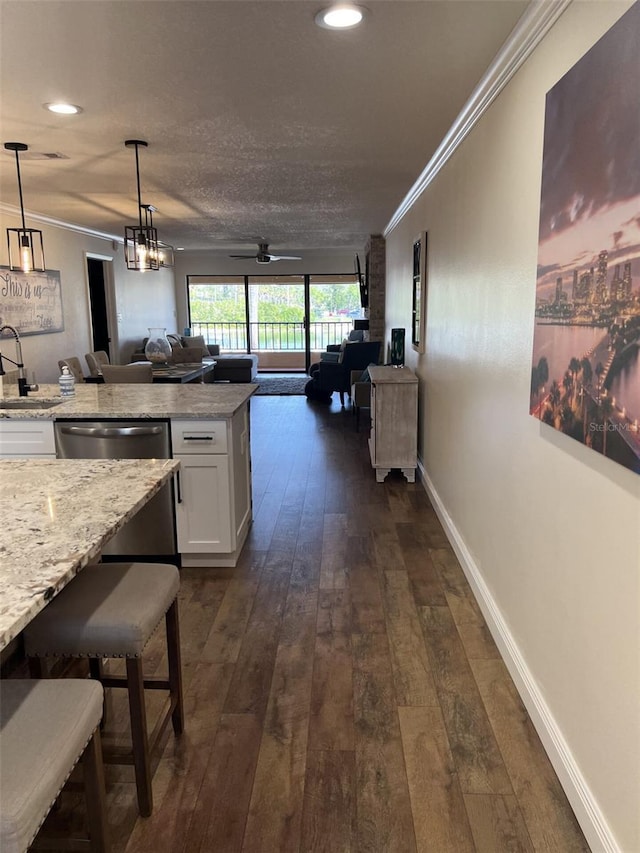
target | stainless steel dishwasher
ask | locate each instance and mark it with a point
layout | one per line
(151, 532)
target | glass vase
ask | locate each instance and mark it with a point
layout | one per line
(157, 348)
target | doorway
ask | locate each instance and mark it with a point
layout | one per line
(99, 281)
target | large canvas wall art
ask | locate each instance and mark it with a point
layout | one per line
(585, 376)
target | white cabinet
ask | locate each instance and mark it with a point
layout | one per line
(393, 442)
(213, 502)
(24, 437)
(203, 513)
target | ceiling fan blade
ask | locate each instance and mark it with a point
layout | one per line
(285, 258)
(243, 257)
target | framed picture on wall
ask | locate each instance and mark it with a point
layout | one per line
(31, 302)
(419, 298)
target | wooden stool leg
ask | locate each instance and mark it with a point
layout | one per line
(95, 795)
(175, 666)
(37, 668)
(139, 737)
(96, 670)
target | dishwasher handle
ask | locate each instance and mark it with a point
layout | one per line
(111, 432)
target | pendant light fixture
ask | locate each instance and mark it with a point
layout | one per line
(26, 250)
(166, 254)
(163, 251)
(141, 240)
(152, 239)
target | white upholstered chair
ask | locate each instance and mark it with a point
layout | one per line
(129, 373)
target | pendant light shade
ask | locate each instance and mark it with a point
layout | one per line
(26, 249)
(141, 240)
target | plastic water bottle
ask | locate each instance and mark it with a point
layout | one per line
(67, 382)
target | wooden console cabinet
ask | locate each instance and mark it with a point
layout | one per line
(393, 442)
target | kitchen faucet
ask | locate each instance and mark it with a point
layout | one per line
(23, 385)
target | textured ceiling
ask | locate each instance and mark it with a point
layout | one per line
(260, 124)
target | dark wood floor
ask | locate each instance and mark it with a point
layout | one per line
(342, 690)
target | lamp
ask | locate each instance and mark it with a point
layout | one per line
(141, 240)
(26, 250)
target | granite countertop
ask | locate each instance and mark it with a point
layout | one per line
(139, 401)
(57, 514)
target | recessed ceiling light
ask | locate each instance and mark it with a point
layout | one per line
(341, 16)
(63, 109)
(179, 248)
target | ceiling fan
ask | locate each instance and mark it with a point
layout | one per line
(263, 255)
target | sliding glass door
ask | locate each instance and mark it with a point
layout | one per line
(287, 320)
(334, 303)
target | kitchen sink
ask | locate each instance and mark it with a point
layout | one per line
(28, 403)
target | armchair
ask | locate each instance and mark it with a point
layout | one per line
(330, 376)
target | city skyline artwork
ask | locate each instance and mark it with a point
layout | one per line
(585, 373)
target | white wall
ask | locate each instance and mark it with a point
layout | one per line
(141, 299)
(218, 263)
(548, 530)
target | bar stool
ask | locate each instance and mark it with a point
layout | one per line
(110, 610)
(46, 727)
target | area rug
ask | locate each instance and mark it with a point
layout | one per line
(283, 385)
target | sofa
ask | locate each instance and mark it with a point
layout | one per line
(230, 367)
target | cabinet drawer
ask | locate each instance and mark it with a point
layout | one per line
(27, 438)
(198, 437)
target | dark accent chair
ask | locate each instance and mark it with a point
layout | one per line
(336, 376)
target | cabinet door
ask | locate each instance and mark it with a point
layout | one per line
(396, 425)
(27, 438)
(203, 514)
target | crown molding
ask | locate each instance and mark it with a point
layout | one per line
(534, 24)
(59, 223)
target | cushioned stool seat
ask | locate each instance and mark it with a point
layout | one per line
(110, 610)
(45, 728)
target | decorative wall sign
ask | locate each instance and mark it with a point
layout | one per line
(419, 303)
(585, 377)
(31, 302)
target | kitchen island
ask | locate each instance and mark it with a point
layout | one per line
(56, 517)
(209, 427)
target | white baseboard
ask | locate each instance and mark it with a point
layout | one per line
(585, 806)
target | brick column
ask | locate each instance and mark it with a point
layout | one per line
(376, 252)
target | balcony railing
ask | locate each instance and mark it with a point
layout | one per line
(272, 337)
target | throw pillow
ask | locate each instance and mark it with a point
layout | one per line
(196, 341)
